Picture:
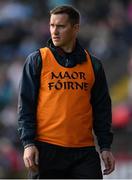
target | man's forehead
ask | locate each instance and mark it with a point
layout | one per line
(59, 17)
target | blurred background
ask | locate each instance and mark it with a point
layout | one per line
(106, 31)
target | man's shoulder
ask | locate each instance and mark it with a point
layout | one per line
(34, 60)
(33, 54)
(96, 62)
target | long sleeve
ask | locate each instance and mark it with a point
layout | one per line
(27, 101)
(101, 104)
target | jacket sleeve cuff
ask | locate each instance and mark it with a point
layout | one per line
(28, 145)
(27, 142)
(105, 149)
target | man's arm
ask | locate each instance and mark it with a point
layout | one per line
(28, 93)
(102, 116)
(29, 88)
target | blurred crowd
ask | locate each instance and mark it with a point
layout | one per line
(106, 30)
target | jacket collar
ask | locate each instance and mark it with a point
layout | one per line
(77, 56)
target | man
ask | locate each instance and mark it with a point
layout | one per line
(63, 99)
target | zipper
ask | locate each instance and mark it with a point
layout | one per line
(67, 62)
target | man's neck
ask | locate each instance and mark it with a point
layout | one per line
(69, 48)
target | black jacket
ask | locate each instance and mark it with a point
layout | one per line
(29, 87)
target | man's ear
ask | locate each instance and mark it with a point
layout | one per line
(77, 27)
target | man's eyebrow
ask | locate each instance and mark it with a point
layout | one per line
(56, 24)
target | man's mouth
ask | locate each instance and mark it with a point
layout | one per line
(56, 38)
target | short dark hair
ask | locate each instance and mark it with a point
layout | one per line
(74, 15)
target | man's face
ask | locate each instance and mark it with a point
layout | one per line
(63, 33)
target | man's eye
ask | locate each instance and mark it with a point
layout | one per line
(52, 25)
(61, 26)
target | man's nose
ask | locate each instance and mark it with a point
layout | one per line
(55, 31)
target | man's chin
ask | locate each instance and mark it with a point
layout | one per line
(56, 43)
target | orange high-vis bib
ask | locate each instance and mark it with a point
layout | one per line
(64, 113)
